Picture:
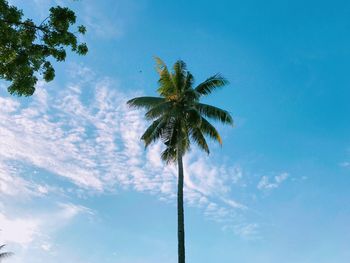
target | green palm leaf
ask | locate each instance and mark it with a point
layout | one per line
(171, 133)
(190, 96)
(198, 137)
(145, 102)
(169, 155)
(166, 84)
(210, 130)
(189, 81)
(154, 131)
(158, 110)
(179, 75)
(160, 65)
(215, 113)
(193, 117)
(211, 84)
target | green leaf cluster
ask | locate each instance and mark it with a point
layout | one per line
(27, 48)
(178, 115)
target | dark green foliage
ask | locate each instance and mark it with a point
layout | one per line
(26, 48)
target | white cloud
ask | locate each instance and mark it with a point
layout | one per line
(21, 231)
(46, 246)
(266, 184)
(26, 229)
(8, 105)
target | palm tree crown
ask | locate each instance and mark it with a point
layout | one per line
(178, 115)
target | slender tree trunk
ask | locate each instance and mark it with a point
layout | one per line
(180, 212)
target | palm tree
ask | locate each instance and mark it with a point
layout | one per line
(4, 254)
(178, 118)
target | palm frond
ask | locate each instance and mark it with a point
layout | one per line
(169, 155)
(193, 117)
(170, 132)
(190, 96)
(208, 129)
(189, 81)
(189, 93)
(145, 102)
(211, 84)
(198, 137)
(179, 75)
(166, 88)
(154, 131)
(214, 113)
(175, 148)
(169, 137)
(166, 84)
(158, 110)
(160, 65)
(176, 135)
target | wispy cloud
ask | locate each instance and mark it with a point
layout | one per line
(21, 231)
(266, 183)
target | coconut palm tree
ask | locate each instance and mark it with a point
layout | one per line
(179, 118)
(4, 254)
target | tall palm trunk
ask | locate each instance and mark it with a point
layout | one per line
(180, 212)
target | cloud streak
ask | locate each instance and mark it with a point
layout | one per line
(266, 184)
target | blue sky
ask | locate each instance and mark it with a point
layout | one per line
(75, 181)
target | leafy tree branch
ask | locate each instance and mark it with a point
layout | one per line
(27, 49)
